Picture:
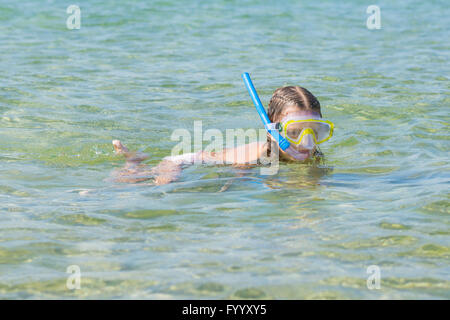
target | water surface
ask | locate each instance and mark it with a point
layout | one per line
(137, 70)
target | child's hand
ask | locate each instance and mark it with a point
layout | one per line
(130, 156)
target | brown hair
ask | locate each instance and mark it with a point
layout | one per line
(291, 95)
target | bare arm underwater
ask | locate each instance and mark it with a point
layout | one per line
(169, 169)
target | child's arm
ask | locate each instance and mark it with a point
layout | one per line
(246, 154)
(166, 171)
(169, 169)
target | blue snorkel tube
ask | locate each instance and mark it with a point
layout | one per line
(282, 142)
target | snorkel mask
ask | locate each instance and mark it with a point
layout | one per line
(305, 131)
(293, 129)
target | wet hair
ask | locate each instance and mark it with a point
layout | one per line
(288, 96)
(291, 95)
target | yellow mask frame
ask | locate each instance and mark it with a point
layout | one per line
(284, 125)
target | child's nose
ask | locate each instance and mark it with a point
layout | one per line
(307, 142)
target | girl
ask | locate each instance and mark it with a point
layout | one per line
(293, 111)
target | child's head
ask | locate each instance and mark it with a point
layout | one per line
(293, 100)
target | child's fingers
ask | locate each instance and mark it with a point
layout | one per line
(119, 147)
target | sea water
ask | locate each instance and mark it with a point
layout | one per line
(138, 70)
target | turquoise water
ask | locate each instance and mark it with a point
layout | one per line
(137, 70)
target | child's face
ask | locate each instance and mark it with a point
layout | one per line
(291, 110)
